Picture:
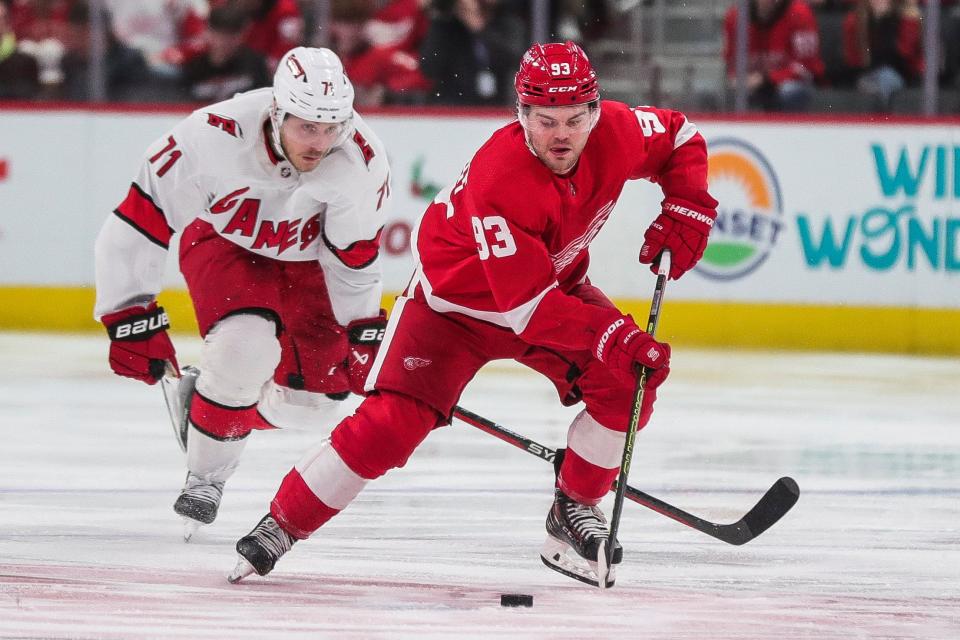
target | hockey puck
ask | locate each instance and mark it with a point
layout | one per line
(516, 600)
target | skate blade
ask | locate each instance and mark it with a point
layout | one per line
(241, 571)
(190, 527)
(176, 394)
(170, 386)
(562, 558)
(602, 569)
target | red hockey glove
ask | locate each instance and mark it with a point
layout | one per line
(365, 337)
(139, 345)
(623, 347)
(682, 227)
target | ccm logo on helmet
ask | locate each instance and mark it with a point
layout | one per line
(606, 336)
(562, 89)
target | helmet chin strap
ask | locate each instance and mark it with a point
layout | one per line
(276, 118)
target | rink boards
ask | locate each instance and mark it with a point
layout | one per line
(831, 234)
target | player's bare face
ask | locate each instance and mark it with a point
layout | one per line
(558, 135)
(306, 143)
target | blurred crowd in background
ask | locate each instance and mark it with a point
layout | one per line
(801, 55)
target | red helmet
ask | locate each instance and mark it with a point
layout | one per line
(556, 74)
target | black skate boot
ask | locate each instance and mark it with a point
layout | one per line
(198, 503)
(576, 546)
(178, 392)
(260, 549)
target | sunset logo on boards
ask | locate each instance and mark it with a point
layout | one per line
(750, 214)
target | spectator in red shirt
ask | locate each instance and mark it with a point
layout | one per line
(277, 27)
(41, 28)
(883, 43)
(400, 23)
(39, 19)
(783, 53)
(388, 68)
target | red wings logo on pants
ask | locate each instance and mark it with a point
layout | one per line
(411, 362)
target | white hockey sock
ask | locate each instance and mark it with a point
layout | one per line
(212, 459)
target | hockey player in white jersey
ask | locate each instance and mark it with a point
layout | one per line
(279, 197)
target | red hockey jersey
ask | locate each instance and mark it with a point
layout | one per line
(785, 48)
(510, 239)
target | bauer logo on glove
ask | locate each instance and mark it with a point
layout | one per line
(367, 335)
(139, 345)
(140, 327)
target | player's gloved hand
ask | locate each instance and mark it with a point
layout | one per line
(682, 227)
(624, 348)
(364, 337)
(139, 345)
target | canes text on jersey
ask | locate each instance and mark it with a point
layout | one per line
(265, 233)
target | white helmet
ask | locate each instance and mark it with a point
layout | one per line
(310, 84)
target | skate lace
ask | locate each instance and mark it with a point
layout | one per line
(272, 538)
(586, 522)
(202, 490)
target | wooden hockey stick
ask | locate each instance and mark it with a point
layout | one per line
(774, 504)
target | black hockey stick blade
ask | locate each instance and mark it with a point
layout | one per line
(774, 504)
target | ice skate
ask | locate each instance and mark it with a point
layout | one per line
(260, 549)
(576, 544)
(177, 392)
(198, 503)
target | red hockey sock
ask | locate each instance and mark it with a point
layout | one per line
(298, 510)
(584, 482)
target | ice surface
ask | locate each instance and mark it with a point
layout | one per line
(90, 548)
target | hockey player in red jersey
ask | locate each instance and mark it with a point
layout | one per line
(278, 196)
(502, 273)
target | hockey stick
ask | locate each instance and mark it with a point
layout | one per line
(774, 504)
(663, 270)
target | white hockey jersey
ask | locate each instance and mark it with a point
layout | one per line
(218, 165)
